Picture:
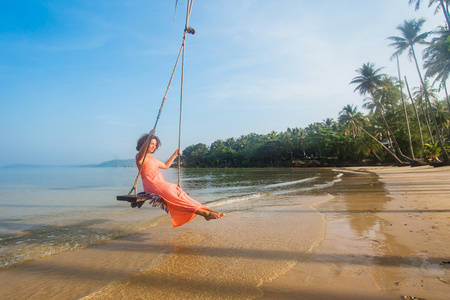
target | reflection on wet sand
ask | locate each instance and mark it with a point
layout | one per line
(365, 255)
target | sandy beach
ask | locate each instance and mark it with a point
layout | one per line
(382, 233)
(398, 249)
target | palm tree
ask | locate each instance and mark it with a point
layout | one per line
(437, 57)
(421, 94)
(411, 36)
(286, 138)
(369, 104)
(446, 96)
(443, 4)
(404, 109)
(367, 145)
(299, 140)
(312, 133)
(442, 115)
(353, 122)
(371, 81)
(328, 122)
(417, 118)
(433, 152)
(390, 93)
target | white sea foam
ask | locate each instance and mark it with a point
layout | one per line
(288, 183)
(232, 200)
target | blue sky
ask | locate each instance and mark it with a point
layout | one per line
(80, 81)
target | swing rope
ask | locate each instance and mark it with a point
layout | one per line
(183, 47)
(187, 30)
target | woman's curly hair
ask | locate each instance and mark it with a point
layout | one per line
(143, 138)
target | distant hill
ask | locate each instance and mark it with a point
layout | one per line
(117, 163)
(124, 163)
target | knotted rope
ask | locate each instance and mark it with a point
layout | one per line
(187, 30)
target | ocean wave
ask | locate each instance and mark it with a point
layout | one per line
(336, 179)
(319, 186)
(273, 192)
(252, 189)
(232, 200)
(288, 183)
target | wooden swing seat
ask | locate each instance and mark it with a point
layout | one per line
(139, 200)
(132, 198)
(135, 201)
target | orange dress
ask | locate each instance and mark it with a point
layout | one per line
(181, 207)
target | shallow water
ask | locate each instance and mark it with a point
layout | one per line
(47, 211)
(270, 226)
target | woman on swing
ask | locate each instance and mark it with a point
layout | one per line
(182, 208)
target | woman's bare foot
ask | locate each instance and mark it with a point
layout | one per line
(214, 215)
(209, 214)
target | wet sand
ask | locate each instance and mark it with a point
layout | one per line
(371, 238)
(220, 259)
(377, 249)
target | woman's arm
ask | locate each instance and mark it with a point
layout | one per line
(140, 155)
(170, 161)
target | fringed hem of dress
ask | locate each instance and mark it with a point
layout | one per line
(155, 200)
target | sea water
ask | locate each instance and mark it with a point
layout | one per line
(47, 211)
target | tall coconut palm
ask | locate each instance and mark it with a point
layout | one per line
(421, 94)
(442, 4)
(417, 118)
(446, 96)
(371, 81)
(442, 116)
(404, 109)
(388, 99)
(410, 31)
(411, 36)
(437, 57)
(353, 122)
(437, 60)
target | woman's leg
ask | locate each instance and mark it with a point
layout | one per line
(209, 214)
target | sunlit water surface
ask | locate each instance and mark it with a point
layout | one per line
(45, 211)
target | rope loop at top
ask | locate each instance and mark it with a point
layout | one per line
(190, 30)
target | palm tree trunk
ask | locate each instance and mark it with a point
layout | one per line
(406, 113)
(390, 133)
(376, 155)
(418, 119)
(427, 120)
(438, 135)
(441, 144)
(384, 147)
(446, 96)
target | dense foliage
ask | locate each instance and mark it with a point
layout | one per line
(404, 125)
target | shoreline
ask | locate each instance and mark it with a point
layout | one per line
(379, 233)
(402, 255)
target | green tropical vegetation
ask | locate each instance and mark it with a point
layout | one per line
(402, 125)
